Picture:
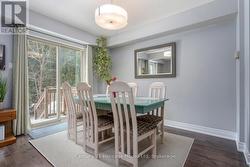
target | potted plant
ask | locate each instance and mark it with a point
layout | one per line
(102, 61)
(3, 90)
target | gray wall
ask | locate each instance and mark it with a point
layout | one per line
(247, 74)
(203, 93)
(243, 77)
(240, 74)
(247, 50)
(47, 23)
(7, 40)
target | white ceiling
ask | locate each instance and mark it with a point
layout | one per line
(80, 13)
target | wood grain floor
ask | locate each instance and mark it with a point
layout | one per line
(207, 151)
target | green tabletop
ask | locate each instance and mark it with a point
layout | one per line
(142, 104)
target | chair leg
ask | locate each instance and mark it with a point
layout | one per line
(116, 148)
(135, 153)
(69, 128)
(154, 144)
(162, 132)
(84, 139)
(68, 133)
(75, 130)
(84, 147)
(96, 144)
(117, 162)
(135, 162)
(96, 152)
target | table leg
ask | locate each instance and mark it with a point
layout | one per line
(162, 125)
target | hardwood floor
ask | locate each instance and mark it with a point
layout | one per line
(207, 151)
(22, 154)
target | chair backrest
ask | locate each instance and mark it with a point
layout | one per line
(74, 91)
(123, 109)
(157, 90)
(107, 90)
(134, 88)
(89, 112)
(67, 92)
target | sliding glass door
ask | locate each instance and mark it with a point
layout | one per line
(70, 71)
(70, 66)
(49, 65)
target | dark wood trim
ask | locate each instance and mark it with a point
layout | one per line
(173, 45)
(6, 118)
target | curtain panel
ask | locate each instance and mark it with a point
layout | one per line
(20, 85)
(89, 64)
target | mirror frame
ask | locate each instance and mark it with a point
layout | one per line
(173, 74)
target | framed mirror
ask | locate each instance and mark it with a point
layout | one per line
(156, 61)
(2, 57)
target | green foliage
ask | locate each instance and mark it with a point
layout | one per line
(68, 74)
(102, 61)
(3, 87)
(70, 67)
(42, 67)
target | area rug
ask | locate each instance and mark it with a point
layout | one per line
(62, 152)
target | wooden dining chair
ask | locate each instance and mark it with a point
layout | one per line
(74, 91)
(74, 116)
(92, 123)
(133, 85)
(156, 90)
(128, 131)
(134, 88)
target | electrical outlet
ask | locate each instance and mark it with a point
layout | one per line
(237, 55)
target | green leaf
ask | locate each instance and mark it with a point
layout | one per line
(102, 62)
(3, 87)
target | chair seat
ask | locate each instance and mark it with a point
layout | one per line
(104, 120)
(152, 119)
(144, 127)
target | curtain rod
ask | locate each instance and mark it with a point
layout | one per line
(56, 35)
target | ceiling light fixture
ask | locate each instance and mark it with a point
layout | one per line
(112, 17)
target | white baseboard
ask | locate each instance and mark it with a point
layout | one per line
(240, 146)
(247, 157)
(202, 129)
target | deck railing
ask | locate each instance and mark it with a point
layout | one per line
(39, 107)
(46, 106)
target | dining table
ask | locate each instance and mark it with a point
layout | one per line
(143, 105)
